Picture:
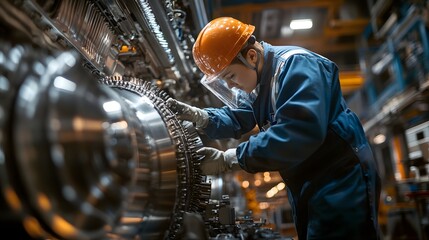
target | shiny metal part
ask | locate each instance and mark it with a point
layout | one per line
(87, 159)
(199, 14)
(71, 149)
(182, 61)
(151, 40)
(86, 153)
(154, 27)
(176, 183)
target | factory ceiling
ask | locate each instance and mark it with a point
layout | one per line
(337, 28)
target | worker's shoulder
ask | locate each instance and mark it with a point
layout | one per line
(284, 53)
(287, 52)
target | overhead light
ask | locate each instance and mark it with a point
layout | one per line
(245, 184)
(299, 24)
(280, 186)
(267, 178)
(379, 139)
(274, 190)
(264, 205)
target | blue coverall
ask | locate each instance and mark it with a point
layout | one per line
(314, 141)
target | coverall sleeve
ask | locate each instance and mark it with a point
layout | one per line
(302, 117)
(227, 123)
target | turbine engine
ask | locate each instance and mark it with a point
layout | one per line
(90, 159)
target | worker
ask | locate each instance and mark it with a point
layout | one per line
(305, 130)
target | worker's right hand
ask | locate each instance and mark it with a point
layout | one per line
(189, 113)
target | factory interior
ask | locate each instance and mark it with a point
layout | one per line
(89, 149)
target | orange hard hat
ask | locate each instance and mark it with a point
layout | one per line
(219, 42)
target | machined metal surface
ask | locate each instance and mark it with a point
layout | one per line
(177, 185)
(145, 39)
(87, 159)
(72, 151)
(85, 151)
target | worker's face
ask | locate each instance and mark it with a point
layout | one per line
(241, 77)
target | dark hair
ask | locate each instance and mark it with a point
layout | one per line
(250, 45)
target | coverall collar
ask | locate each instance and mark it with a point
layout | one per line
(268, 62)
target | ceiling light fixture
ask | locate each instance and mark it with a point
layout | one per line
(379, 139)
(245, 184)
(299, 24)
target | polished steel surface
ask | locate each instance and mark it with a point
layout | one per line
(88, 150)
(155, 184)
(75, 150)
(135, 38)
(169, 149)
(92, 159)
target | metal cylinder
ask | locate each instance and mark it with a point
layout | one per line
(88, 158)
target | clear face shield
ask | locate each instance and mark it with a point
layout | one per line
(232, 97)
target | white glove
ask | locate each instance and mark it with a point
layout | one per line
(189, 113)
(216, 161)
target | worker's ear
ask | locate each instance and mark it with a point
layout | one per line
(252, 56)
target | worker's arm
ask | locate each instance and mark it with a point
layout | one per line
(302, 117)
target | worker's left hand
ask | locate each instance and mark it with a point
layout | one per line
(216, 161)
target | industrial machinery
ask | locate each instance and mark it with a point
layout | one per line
(88, 147)
(81, 158)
